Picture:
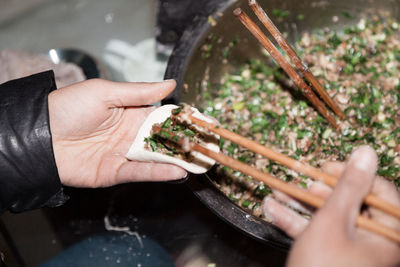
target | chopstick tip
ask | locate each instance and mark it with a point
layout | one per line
(252, 2)
(238, 11)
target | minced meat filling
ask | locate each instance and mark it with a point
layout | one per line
(172, 130)
(358, 67)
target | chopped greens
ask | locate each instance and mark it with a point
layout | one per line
(189, 133)
(346, 14)
(167, 123)
(172, 130)
(300, 16)
(281, 13)
(359, 67)
(176, 111)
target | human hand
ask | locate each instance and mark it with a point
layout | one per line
(331, 238)
(93, 124)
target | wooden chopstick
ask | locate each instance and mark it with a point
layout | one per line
(314, 173)
(280, 185)
(308, 170)
(294, 76)
(300, 65)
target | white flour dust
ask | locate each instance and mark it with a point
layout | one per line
(125, 229)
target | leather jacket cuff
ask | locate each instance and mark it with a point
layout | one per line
(28, 172)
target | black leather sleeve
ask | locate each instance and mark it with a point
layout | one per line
(2, 264)
(28, 172)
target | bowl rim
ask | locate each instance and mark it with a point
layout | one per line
(202, 185)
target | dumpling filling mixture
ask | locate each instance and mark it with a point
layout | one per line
(174, 129)
(161, 146)
(358, 67)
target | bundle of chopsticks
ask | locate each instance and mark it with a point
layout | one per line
(314, 173)
(286, 66)
(276, 183)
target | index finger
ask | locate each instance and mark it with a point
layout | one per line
(343, 207)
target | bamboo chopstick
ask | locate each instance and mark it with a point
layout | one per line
(294, 76)
(280, 185)
(300, 65)
(314, 173)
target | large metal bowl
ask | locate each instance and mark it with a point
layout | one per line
(189, 66)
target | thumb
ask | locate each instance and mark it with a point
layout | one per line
(139, 94)
(345, 202)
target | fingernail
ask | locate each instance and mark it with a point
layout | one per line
(181, 180)
(267, 209)
(364, 159)
(169, 80)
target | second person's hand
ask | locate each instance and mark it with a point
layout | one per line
(331, 238)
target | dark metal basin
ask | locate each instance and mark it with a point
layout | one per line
(189, 67)
(89, 65)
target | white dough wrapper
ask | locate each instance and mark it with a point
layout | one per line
(137, 151)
